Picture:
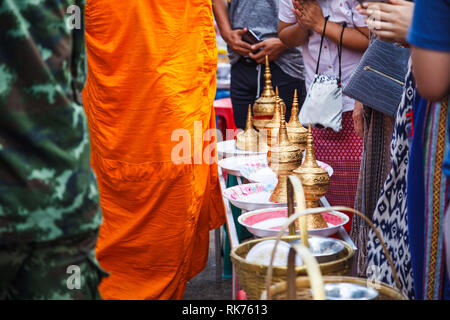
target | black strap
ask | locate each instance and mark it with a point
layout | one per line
(340, 53)
(339, 49)
(321, 43)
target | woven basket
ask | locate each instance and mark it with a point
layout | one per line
(312, 286)
(253, 277)
(303, 292)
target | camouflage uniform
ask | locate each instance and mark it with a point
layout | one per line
(49, 212)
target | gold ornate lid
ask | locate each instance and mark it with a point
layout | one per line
(310, 166)
(283, 151)
(248, 139)
(296, 131)
(265, 104)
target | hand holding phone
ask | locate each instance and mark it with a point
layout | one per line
(250, 37)
(234, 39)
(272, 47)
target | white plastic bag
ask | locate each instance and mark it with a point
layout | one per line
(323, 103)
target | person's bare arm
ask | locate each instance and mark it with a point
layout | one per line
(430, 70)
(310, 16)
(353, 39)
(232, 37)
(358, 118)
(291, 34)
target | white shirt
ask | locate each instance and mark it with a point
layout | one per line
(340, 11)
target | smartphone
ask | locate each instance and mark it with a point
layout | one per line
(250, 37)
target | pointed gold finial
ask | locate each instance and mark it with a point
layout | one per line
(296, 131)
(249, 138)
(294, 112)
(249, 123)
(310, 155)
(268, 89)
(283, 138)
(272, 128)
(283, 115)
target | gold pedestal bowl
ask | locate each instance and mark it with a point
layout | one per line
(315, 182)
(283, 157)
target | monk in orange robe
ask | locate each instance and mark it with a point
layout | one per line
(149, 100)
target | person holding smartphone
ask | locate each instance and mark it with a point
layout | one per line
(237, 21)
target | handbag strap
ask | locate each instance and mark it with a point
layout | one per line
(321, 43)
(339, 48)
(340, 53)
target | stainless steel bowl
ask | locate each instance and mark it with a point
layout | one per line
(324, 249)
(349, 291)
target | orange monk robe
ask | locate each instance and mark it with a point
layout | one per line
(152, 68)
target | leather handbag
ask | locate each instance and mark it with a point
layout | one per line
(378, 79)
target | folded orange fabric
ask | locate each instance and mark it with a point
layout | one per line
(152, 69)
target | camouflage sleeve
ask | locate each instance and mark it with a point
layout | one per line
(47, 187)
